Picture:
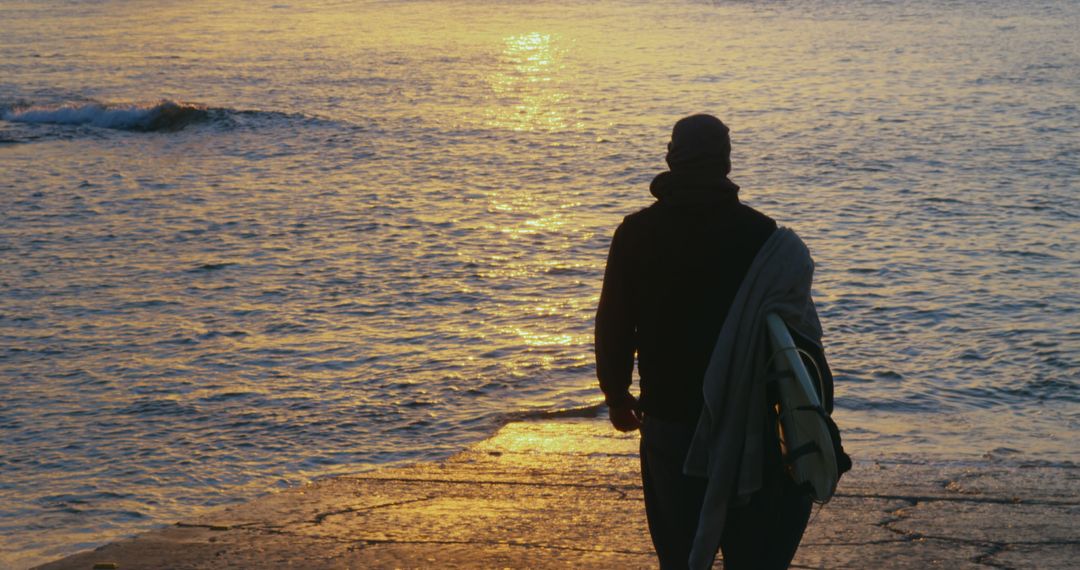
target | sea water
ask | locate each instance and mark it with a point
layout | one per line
(245, 244)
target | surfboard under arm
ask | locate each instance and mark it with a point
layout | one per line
(806, 433)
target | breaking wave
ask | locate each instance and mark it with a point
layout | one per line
(23, 122)
(163, 115)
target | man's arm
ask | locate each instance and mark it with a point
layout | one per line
(615, 342)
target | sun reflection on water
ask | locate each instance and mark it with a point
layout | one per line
(527, 95)
(533, 338)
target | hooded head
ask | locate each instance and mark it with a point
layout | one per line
(700, 142)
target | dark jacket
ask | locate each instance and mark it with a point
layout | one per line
(672, 273)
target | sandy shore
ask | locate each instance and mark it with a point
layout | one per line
(565, 493)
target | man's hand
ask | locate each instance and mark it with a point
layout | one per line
(625, 418)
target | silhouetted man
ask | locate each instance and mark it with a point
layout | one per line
(672, 273)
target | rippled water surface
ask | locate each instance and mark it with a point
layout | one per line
(246, 244)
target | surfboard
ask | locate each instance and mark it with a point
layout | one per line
(804, 434)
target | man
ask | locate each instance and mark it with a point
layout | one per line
(673, 270)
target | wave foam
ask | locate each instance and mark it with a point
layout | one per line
(161, 116)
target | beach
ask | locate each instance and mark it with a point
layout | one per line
(565, 493)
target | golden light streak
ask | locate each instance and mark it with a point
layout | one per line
(526, 98)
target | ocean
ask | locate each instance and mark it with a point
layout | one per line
(248, 244)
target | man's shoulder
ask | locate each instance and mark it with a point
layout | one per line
(738, 216)
(756, 217)
(641, 216)
(637, 221)
(656, 212)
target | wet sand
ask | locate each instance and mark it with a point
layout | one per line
(565, 493)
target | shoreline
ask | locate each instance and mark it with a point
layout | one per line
(557, 492)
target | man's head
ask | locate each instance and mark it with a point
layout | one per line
(700, 142)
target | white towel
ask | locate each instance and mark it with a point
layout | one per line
(727, 446)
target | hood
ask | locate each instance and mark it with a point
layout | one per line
(694, 187)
